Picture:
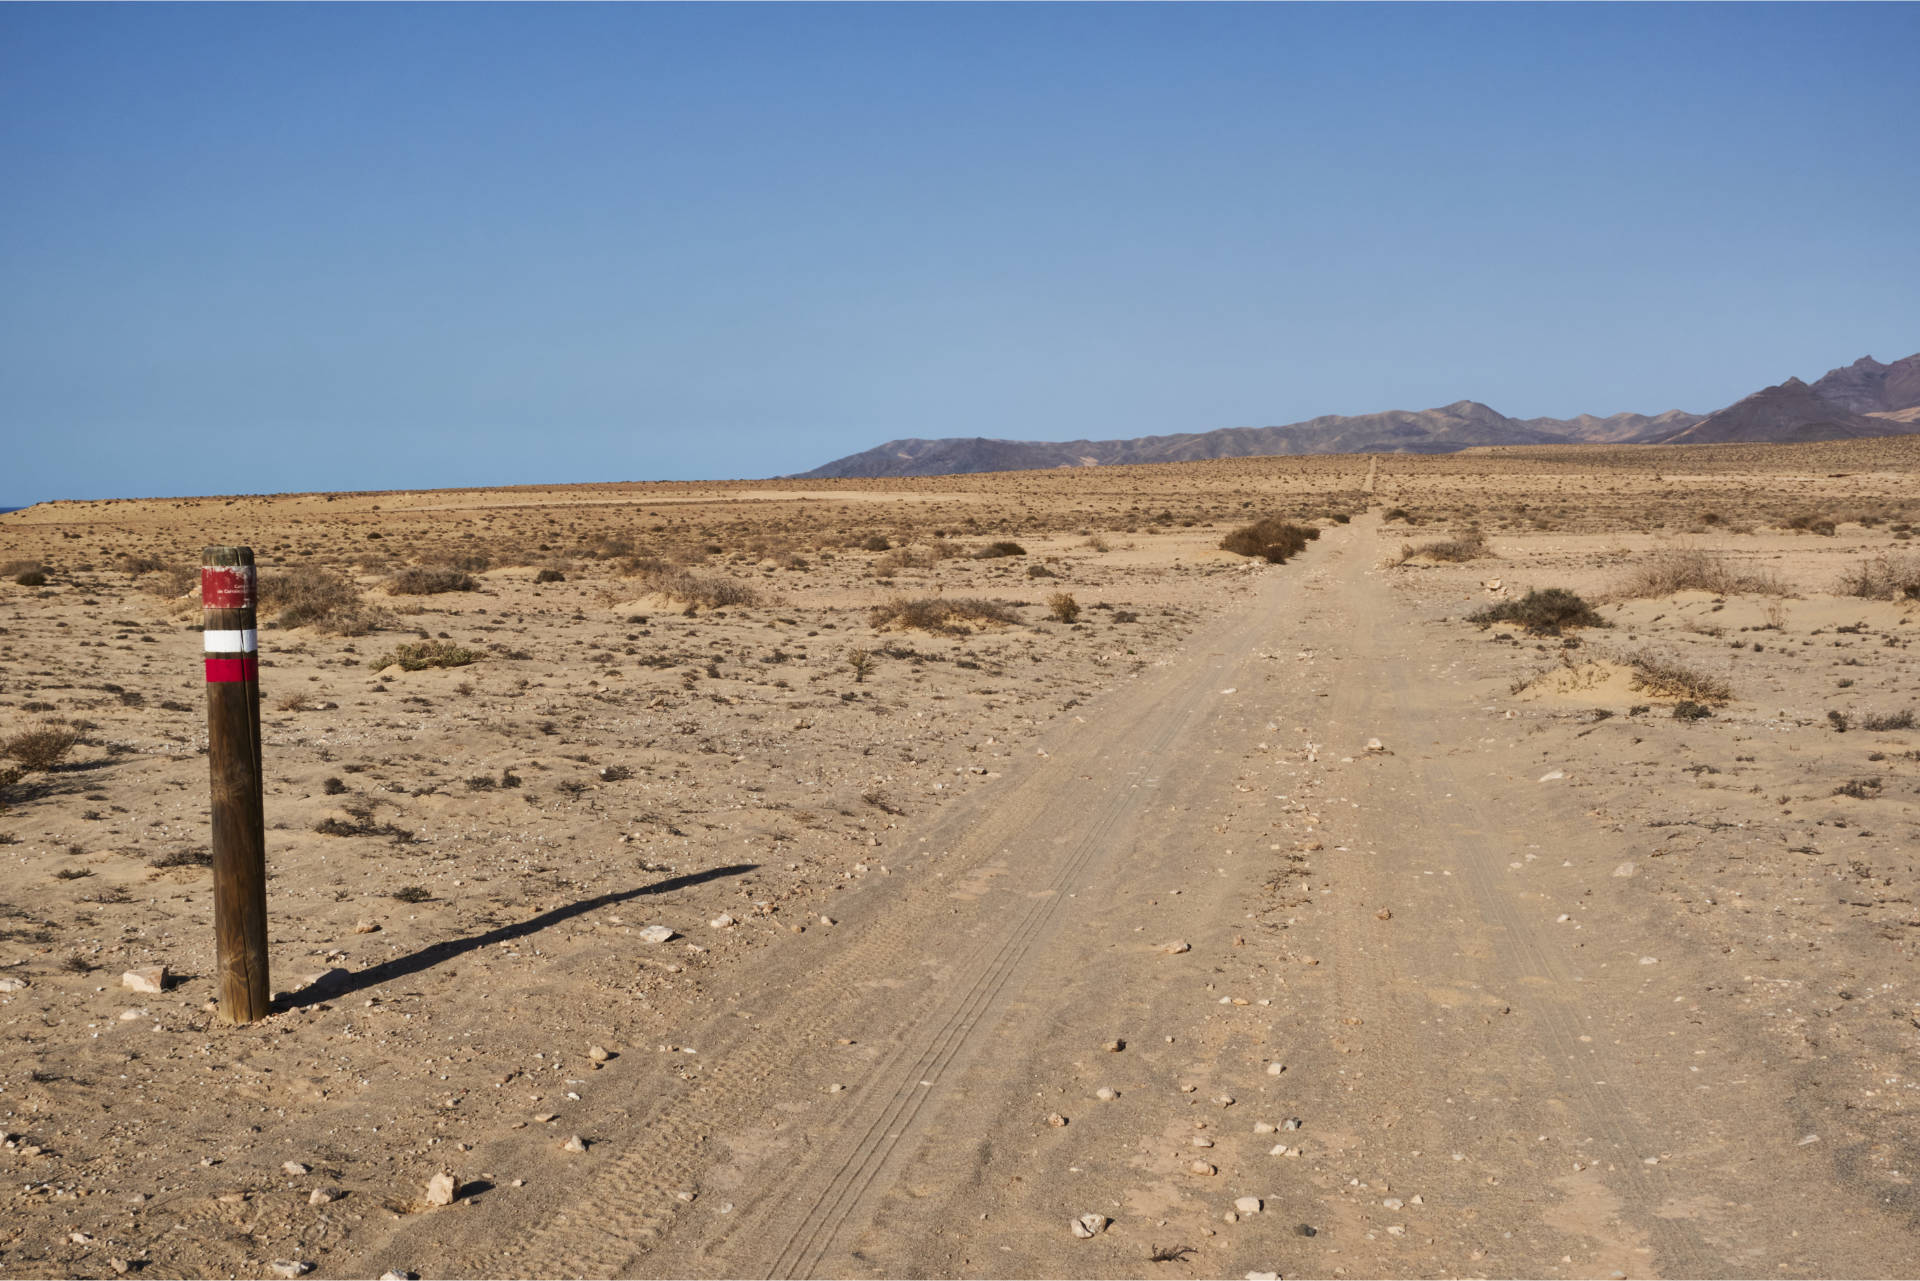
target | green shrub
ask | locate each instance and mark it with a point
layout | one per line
(1546, 610)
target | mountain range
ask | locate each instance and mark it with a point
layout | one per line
(1865, 398)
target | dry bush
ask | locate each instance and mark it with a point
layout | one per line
(860, 662)
(699, 591)
(994, 550)
(41, 747)
(1063, 607)
(1271, 538)
(421, 655)
(1663, 677)
(309, 596)
(1884, 577)
(1543, 610)
(941, 613)
(1902, 719)
(424, 580)
(1812, 524)
(1469, 544)
(1694, 569)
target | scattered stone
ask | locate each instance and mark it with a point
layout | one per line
(1106, 1094)
(1263, 1276)
(1202, 1168)
(1307, 1230)
(598, 1053)
(398, 1276)
(79, 1238)
(148, 978)
(1275, 1069)
(836, 1088)
(119, 1265)
(323, 1196)
(1292, 1123)
(1089, 1225)
(1174, 948)
(574, 1144)
(289, 1267)
(1249, 1205)
(687, 1197)
(1200, 1141)
(366, 925)
(1229, 1217)
(722, 922)
(296, 1167)
(1263, 1127)
(1552, 774)
(1384, 914)
(1223, 1100)
(1625, 869)
(545, 1117)
(1396, 1229)
(442, 1188)
(655, 934)
(828, 920)
(13, 985)
(1375, 745)
(1114, 1046)
(1056, 1120)
(1394, 1203)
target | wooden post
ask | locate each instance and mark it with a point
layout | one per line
(233, 758)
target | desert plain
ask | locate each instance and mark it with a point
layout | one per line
(987, 876)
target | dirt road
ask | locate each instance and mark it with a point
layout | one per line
(1425, 1016)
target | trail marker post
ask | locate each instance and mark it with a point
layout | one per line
(227, 599)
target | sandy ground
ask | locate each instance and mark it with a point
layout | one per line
(1551, 982)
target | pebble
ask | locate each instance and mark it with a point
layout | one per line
(598, 1053)
(1263, 1127)
(544, 1117)
(1396, 1229)
(148, 978)
(574, 1144)
(1393, 1203)
(721, 922)
(1223, 1100)
(396, 1276)
(655, 934)
(13, 985)
(1249, 1205)
(1175, 948)
(1089, 1225)
(1200, 1141)
(79, 1238)
(119, 1265)
(835, 1088)
(290, 1267)
(1552, 774)
(1202, 1168)
(1384, 914)
(366, 926)
(1375, 745)
(1625, 869)
(442, 1188)
(1275, 1069)
(1114, 1046)
(1056, 1120)
(1263, 1276)
(296, 1167)
(1291, 1123)
(322, 1196)
(1106, 1094)
(828, 920)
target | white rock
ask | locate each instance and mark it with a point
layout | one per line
(13, 985)
(828, 920)
(1552, 774)
(1174, 948)
(296, 1167)
(1263, 1127)
(1056, 1120)
(289, 1267)
(1275, 1069)
(1396, 1229)
(323, 1196)
(148, 978)
(1394, 1203)
(1263, 1276)
(721, 922)
(1201, 1168)
(598, 1053)
(1223, 1100)
(442, 1188)
(1625, 869)
(79, 1238)
(366, 925)
(1375, 745)
(1089, 1225)
(396, 1276)
(1248, 1205)
(655, 934)
(574, 1144)
(1106, 1094)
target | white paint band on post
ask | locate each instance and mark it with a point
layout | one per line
(233, 642)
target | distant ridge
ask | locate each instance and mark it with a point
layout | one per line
(1865, 398)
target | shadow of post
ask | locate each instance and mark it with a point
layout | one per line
(341, 983)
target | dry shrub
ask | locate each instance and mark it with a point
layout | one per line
(27, 573)
(424, 580)
(1271, 538)
(994, 550)
(318, 598)
(1063, 607)
(1902, 719)
(1545, 610)
(1884, 577)
(941, 613)
(1469, 544)
(1663, 677)
(1694, 569)
(699, 591)
(1812, 524)
(41, 747)
(420, 655)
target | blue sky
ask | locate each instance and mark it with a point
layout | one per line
(262, 248)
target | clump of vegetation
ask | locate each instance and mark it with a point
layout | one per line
(310, 596)
(1541, 610)
(877, 543)
(413, 894)
(1688, 710)
(1697, 570)
(27, 573)
(941, 613)
(199, 856)
(699, 591)
(1271, 538)
(420, 655)
(1037, 570)
(993, 551)
(426, 580)
(549, 576)
(1666, 678)
(1063, 607)
(1812, 524)
(1469, 544)
(42, 747)
(1840, 721)
(860, 662)
(1860, 789)
(1891, 720)
(1400, 514)
(1884, 577)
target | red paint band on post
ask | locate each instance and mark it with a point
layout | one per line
(226, 587)
(227, 670)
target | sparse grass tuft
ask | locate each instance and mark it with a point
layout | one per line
(1891, 720)
(1541, 610)
(1693, 569)
(1666, 678)
(941, 613)
(699, 591)
(1884, 577)
(421, 655)
(42, 747)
